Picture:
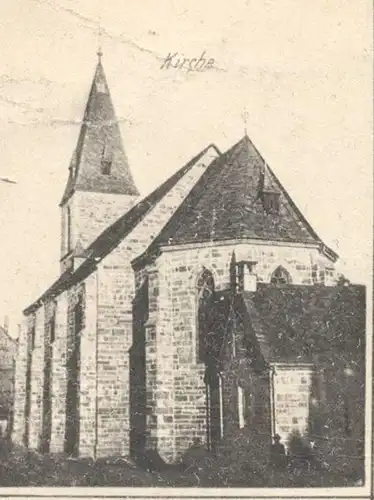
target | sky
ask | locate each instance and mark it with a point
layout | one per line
(300, 71)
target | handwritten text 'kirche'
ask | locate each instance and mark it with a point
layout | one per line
(178, 61)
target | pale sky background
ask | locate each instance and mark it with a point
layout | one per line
(302, 69)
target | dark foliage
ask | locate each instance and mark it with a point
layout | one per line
(239, 464)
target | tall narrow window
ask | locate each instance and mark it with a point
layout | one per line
(52, 328)
(72, 425)
(68, 238)
(47, 386)
(32, 339)
(205, 289)
(30, 349)
(280, 277)
(106, 161)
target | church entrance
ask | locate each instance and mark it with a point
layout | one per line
(73, 386)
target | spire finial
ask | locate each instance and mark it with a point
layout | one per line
(99, 49)
(245, 119)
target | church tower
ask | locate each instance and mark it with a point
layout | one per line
(100, 186)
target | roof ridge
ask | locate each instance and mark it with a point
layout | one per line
(129, 220)
(187, 204)
(237, 177)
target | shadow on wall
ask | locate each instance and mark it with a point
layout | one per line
(336, 427)
(138, 373)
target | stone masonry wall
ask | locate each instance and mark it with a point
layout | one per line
(20, 382)
(114, 341)
(59, 376)
(37, 377)
(75, 294)
(291, 395)
(64, 328)
(91, 213)
(116, 293)
(7, 357)
(174, 327)
(94, 212)
(88, 381)
(160, 359)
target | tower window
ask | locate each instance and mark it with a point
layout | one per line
(280, 277)
(271, 202)
(106, 166)
(106, 162)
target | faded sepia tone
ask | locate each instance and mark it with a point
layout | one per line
(187, 246)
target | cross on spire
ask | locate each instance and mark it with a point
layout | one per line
(245, 116)
(99, 49)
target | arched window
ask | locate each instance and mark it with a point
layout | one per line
(205, 291)
(280, 277)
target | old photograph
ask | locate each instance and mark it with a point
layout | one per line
(186, 246)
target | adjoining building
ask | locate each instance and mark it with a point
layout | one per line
(8, 351)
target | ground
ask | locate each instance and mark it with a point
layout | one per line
(200, 468)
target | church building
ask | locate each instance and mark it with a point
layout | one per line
(205, 308)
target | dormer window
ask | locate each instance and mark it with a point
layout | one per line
(271, 201)
(106, 162)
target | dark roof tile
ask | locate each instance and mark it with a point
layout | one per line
(99, 139)
(226, 203)
(296, 322)
(114, 234)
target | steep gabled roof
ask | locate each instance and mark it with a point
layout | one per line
(294, 323)
(227, 203)
(114, 234)
(99, 141)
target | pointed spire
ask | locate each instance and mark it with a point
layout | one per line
(100, 136)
